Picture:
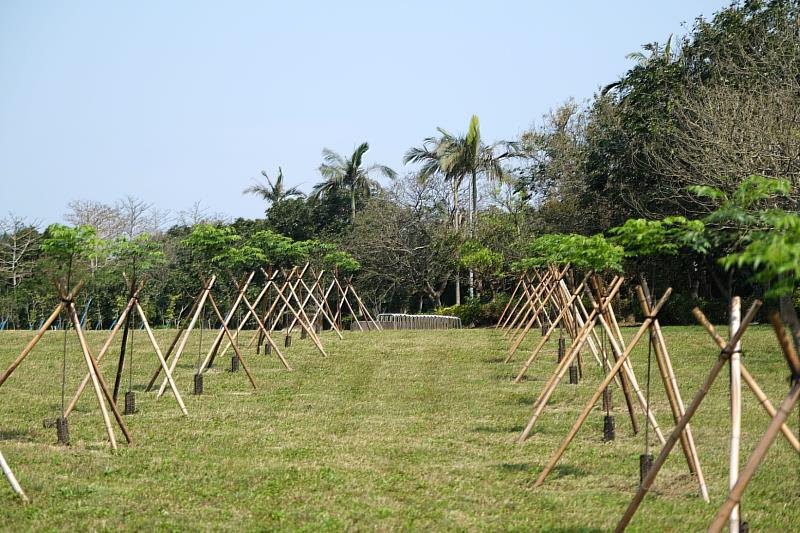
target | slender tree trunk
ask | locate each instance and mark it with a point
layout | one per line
(352, 205)
(456, 226)
(473, 213)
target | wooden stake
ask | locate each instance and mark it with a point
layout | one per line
(562, 367)
(209, 358)
(553, 325)
(736, 409)
(39, 334)
(11, 479)
(735, 495)
(161, 360)
(670, 383)
(99, 386)
(174, 363)
(267, 335)
(599, 391)
(521, 337)
(690, 411)
(235, 347)
(511, 299)
(101, 353)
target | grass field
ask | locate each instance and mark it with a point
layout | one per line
(397, 430)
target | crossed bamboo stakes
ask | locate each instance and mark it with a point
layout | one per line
(535, 292)
(302, 303)
(730, 354)
(569, 312)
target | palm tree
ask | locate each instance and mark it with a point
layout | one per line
(433, 156)
(348, 174)
(457, 157)
(273, 192)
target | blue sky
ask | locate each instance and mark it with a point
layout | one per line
(176, 102)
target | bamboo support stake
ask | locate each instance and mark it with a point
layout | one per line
(762, 398)
(561, 369)
(39, 334)
(736, 409)
(670, 383)
(324, 295)
(231, 312)
(690, 411)
(343, 293)
(161, 360)
(174, 363)
(553, 326)
(175, 339)
(310, 296)
(293, 292)
(513, 333)
(235, 347)
(320, 305)
(312, 335)
(735, 495)
(267, 335)
(521, 337)
(285, 287)
(778, 420)
(526, 299)
(93, 373)
(627, 376)
(243, 322)
(511, 299)
(361, 305)
(100, 355)
(16, 487)
(523, 296)
(599, 391)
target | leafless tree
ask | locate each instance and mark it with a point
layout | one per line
(199, 214)
(18, 242)
(104, 218)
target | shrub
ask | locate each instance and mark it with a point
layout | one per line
(473, 313)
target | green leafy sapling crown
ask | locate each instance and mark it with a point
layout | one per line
(139, 254)
(341, 262)
(589, 253)
(68, 246)
(209, 245)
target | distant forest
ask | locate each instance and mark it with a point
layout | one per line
(707, 110)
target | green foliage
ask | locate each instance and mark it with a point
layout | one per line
(64, 243)
(471, 313)
(341, 261)
(481, 259)
(142, 250)
(211, 242)
(475, 313)
(773, 253)
(595, 252)
(669, 236)
(763, 238)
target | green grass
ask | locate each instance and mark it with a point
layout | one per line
(396, 430)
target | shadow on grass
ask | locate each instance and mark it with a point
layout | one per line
(518, 467)
(572, 529)
(16, 435)
(566, 470)
(498, 429)
(526, 400)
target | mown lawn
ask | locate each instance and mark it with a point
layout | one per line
(397, 430)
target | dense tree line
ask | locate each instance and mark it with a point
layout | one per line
(709, 109)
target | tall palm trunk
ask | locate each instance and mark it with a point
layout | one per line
(352, 205)
(473, 213)
(456, 226)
